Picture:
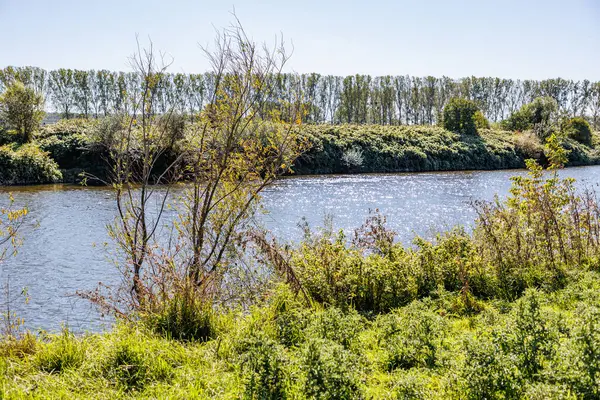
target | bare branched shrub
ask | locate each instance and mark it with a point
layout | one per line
(227, 157)
(136, 145)
(233, 155)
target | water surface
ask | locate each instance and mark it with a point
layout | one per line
(65, 246)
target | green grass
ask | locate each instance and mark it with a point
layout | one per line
(540, 346)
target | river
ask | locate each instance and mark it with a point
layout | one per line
(66, 247)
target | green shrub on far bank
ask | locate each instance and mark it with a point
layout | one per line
(67, 142)
(71, 144)
(68, 127)
(481, 121)
(539, 115)
(67, 151)
(22, 108)
(578, 129)
(27, 164)
(9, 136)
(460, 116)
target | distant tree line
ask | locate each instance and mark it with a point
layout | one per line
(356, 99)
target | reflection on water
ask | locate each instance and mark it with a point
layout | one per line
(64, 238)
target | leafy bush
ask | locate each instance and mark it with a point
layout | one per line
(530, 146)
(444, 263)
(481, 122)
(263, 365)
(530, 339)
(544, 391)
(67, 151)
(413, 385)
(412, 337)
(537, 115)
(335, 274)
(69, 127)
(330, 371)
(578, 129)
(537, 234)
(489, 372)
(375, 275)
(22, 108)
(353, 158)
(333, 324)
(27, 164)
(460, 116)
(587, 353)
(174, 127)
(291, 317)
(9, 136)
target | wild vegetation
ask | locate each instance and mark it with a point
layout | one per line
(508, 311)
(220, 309)
(67, 148)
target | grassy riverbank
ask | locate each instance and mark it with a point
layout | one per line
(62, 150)
(542, 346)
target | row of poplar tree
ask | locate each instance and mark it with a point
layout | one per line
(357, 99)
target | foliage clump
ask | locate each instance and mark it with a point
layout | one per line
(182, 318)
(27, 164)
(330, 371)
(578, 129)
(460, 116)
(411, 337)
(22, 108)
(539, 115)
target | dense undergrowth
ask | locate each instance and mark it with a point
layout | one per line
(508, 311)
(61, 151)
(374, 148)
(542, 346)
(27, 164)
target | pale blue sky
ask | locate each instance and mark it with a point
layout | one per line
(528, 39)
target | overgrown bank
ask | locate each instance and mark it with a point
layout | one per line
(374, 148)
(61, 151)
(543, 346)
